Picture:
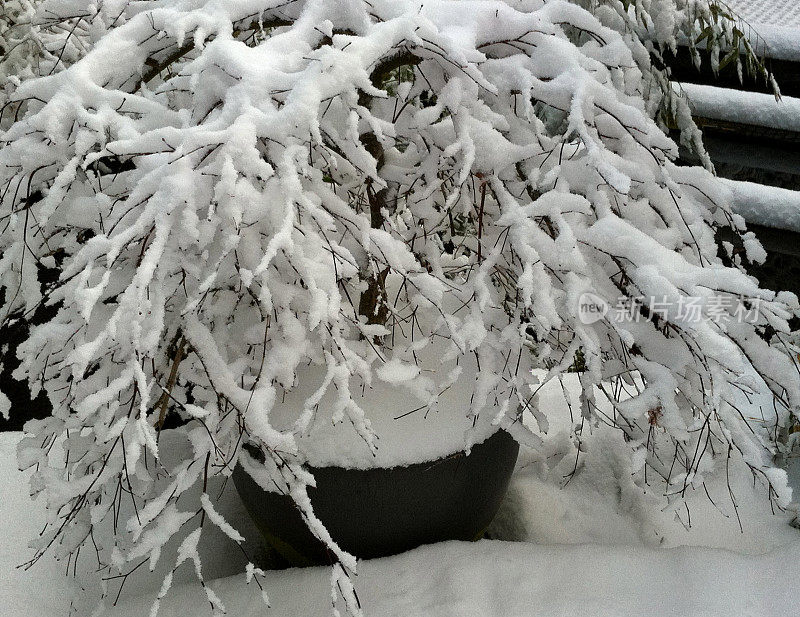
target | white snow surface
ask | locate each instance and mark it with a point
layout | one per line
(778, 41)
(232, 188)
(43, 591)
(409, 427)
(502, 579)
(759, 204)
(773, 26)
(589, 544)
(743, 107)
(770, 206)
(771, 12)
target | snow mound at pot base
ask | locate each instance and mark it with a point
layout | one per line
(501, 579)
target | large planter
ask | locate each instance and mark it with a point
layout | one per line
(384, 511)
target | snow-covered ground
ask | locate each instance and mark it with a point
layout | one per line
(593, 545)
(503, 579)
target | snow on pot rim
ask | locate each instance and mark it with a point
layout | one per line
(437, 470)
(419, 412)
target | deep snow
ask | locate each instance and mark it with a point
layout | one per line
(409, 430)
(488, 579)
(591, 545)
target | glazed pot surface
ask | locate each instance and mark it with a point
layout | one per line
(378, 512)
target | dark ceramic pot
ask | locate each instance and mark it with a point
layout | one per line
(384, 511)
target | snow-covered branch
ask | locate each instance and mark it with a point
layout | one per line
(221, 183)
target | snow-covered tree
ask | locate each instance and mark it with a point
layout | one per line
(42, 37)
(654, 29)
(235, 190)
(17, 45)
